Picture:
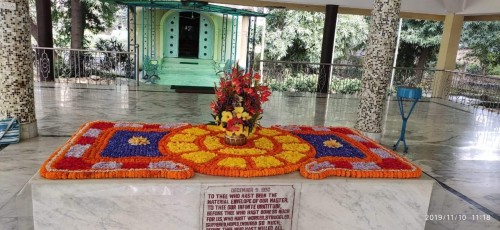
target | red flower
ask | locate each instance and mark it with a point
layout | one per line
(213, 106)
(256, 76)
(102, 125)
(370, 145)
(235, 72)
(151, 126)
(231, 124)
(240, 89)
(134, 165)
(342, 130)
(265, 96)
(72, 163)
(263, 88)
(250, 91)
(391, 163)
(86, 140)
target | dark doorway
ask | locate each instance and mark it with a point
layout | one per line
(189, 34)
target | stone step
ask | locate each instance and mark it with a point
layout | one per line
(188, 60)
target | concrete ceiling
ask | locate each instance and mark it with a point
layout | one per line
(473, 10)
(437, 7)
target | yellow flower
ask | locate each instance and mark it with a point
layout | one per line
(212, 143)
(245, 131)
(226, 116)
(286, 139)
(183, 138)
(138, 141)
(217, 120)
(264, 143)
(296, 147)
(242, 152)
(268, 132)
(233, 162)
(266, 162)
(291, 156)
(245, 116)
(196, 131)
(238, 111)
(199, 157)
(332, 144)
(182, 147)
(215, 128)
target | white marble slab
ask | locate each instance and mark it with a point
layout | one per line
(354, 204)
(116, 206)
(333, 203)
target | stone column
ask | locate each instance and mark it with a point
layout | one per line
(131, 27)
(45, 39)
(448, 50)
(377, 66)
(243, 37)
(16, 71)
(327, 48)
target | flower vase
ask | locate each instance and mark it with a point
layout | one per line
(235, 140)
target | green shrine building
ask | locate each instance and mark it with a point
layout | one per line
(189, 43)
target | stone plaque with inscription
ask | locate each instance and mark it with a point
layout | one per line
(267, 207)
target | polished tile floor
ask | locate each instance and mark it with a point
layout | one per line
(458, 147)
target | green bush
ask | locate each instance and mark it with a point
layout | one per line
(473, 69)
(305, 83)
(295, 82)
(308, 83)
(346, 86)
(494, 71)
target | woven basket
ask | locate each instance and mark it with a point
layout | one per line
(236, 140)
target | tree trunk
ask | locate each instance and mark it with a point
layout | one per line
(34, 30)
(422, 60)
(76, 62)
(45, 39)
(76, 24)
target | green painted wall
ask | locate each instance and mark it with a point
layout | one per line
(216, 19)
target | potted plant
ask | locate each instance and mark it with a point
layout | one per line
(237, 107)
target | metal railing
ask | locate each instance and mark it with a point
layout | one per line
(85, 66)
(303, 76)
(412, 77)
(345, 79)
(472, 89)
(467, 89)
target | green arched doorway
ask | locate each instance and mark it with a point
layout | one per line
(189, 35)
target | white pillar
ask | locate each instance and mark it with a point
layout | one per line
(17, 97)
(377, 66)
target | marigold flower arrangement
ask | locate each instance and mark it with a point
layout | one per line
(237, 107)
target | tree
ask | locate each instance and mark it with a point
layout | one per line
(294, 35)
(351, 37)
(73, 18)
(419, 44)
(297, 35)
(482, 39)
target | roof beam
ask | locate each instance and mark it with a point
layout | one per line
(454, 6)
(482, 18)
(256, 3)
(318, 8)
(449, 4)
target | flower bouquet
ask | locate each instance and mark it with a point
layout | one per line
(237, 107)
